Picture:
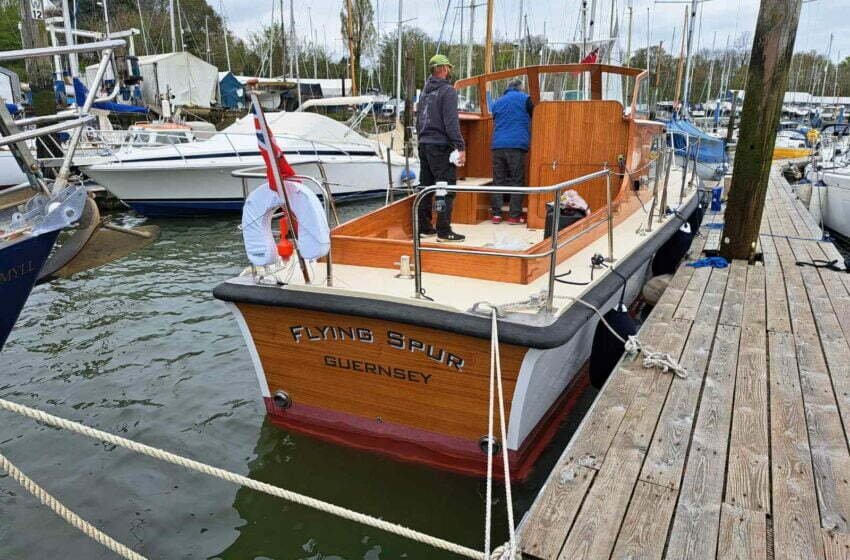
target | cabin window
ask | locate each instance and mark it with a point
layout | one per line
(642, 105)
(564, 86)
(468, 99)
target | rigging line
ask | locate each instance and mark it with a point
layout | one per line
(221, 474)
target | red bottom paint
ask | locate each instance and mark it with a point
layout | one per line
(419, 446)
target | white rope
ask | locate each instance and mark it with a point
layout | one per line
(69, 516)
(633, 346)
(496, 386)
(222, 474)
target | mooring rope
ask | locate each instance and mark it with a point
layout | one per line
(228, 476)
(69, 516)
(496, 387)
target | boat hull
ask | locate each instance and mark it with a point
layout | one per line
(381, 375)
(20, 263)
(202, 187)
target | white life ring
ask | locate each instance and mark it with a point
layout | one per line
(314, 239)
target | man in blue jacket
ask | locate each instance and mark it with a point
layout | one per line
(438, 129)
(511, 138)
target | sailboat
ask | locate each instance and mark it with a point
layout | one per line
(33, 213)
(384, 344)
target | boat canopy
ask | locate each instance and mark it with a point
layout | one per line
(308, 125)
(711, 149)
(81, 91)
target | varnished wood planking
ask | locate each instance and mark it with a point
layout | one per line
(644, 531)
(697, 518)
(743, 534)
(593, 133)
(452, 403)
(795, 508)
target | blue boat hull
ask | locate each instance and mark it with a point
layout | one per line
(20, 264)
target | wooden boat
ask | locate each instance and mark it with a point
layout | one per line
(372, 357)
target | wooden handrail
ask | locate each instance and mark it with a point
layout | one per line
(533, 74)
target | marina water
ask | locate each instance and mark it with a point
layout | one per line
(140, 348)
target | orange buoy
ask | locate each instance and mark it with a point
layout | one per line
(284, 246)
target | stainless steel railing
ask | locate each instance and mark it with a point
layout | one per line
(321, 188)
(82, 116)
(552, 252)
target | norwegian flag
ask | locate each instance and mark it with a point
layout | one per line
(269, 147)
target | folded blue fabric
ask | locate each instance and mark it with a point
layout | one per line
(715, 225)
(714, 262)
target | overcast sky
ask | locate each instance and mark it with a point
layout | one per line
(723, 18)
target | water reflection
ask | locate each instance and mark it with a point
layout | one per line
(140, 348)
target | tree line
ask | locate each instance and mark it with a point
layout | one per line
(265, 52)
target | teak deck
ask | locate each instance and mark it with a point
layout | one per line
(747, 457)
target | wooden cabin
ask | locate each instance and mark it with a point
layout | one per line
(569, 138)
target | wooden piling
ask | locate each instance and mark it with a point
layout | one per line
(770, 60)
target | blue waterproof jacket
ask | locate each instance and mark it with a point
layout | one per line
(512, 119)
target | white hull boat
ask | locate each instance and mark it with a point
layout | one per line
(830, 199)
(10, 171)
(195, 177)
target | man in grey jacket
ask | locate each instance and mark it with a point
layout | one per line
(438, 129)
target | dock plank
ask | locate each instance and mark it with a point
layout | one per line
(836, 545)
(642, 536)
(795, 507)
(748, 472)
(733, 305)
(666, 455)
(697, 517)
(746, 458)
(743, 534)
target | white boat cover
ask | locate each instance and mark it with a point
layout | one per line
(314, 239)
(192, 81)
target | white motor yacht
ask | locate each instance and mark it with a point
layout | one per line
(195, 177)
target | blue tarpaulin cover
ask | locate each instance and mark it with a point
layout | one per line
(80, 92)
(711, 149)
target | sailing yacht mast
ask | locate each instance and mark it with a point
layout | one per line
(173, 30)
(826, 68)
(293, 46)
(691, 27)
(398, 68)
(488, 40)
(351, 69)
(681, 64)
(471, 44)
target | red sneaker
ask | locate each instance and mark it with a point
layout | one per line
(496, 218)
(518, 221)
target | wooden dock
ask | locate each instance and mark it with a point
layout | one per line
(745, 458)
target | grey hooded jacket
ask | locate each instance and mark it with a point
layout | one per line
(436, 120)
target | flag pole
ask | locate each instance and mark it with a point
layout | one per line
(261, 118)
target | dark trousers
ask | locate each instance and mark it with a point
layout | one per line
(508, 171)
(434, 166)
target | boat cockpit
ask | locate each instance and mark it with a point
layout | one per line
(580, 128)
